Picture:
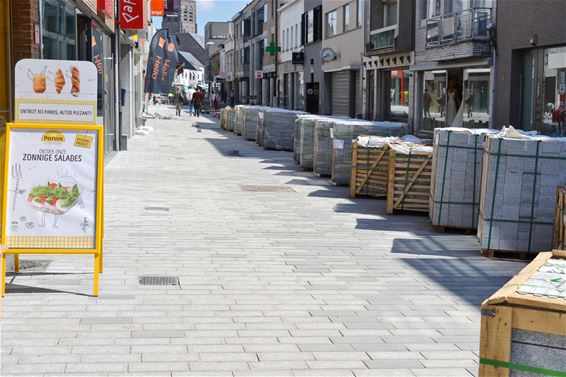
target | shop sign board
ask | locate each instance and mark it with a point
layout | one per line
(133, 14)
(157, 7)
(105, 7)
(55, 91)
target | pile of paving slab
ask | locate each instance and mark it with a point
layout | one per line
(501, 183)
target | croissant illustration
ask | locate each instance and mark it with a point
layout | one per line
(39, 83)
(59, 81)
(76, 81)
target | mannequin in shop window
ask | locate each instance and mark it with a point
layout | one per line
(453, 103)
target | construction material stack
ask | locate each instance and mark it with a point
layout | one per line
(523, 325)
(279, 128)
(322, 155)
(456, 177)
(344, 131)
(240, 119)
(410, 168)
(518, 192)
(560, 219)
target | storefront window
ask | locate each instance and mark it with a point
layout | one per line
(399, 94)
(554, 107)
(475, 97)
(59, 29)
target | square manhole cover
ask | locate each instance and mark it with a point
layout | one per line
(158, 280)
(259, 188)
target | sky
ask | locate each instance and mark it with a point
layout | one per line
(212, 10)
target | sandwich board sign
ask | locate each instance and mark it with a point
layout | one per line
(53, 175)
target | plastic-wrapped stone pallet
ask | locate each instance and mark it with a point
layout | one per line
(259, 128)
(344, 131)
(322, 154)
(518, 191)
(456, 177)
(240, 119)
(304, 138)
(279, 128)
(230, 119)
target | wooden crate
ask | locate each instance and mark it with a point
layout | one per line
(370, 169)
(523, 333)
(560, 219)
(408, 181)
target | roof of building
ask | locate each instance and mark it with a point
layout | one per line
(190, 61)
(194, 44)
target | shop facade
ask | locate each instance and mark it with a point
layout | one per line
(386, 76)
(531, 66)
(312, 64)
(453, 78)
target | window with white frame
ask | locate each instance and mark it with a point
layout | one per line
(297, 39)
(390, 13)
(346, 17)
(331, 24)
(360, 12)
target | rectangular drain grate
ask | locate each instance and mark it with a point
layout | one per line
(158, 280)
(162, 209)
(257, 188)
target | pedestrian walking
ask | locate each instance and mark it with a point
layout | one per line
(232, 97)
(178, 100)
(197, 101)
(190, 93)
(468, 100)
(427, 100)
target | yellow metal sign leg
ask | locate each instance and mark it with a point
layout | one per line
(16, 263)
(97, 260)
(3, 274)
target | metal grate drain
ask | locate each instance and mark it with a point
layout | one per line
(163, 209)
(257, 188)
(158, 280)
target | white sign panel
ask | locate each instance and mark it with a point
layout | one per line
(52, 184)
(55, 91)
(338, 144)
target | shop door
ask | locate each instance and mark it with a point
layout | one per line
(340, 89)
(312, 97)
(370, 94)
(527, 81)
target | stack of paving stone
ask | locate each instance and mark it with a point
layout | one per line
(304, 138)
(230, 119)
(250, 123)
(520, 175)
(279, 128)
(456, 177)
(344, 131)
(259, 128)
(240, 119)
(322, 154)
(560, 219)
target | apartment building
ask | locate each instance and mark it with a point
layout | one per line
(452, 65)
(342, 47)
(290, 66)
(386, 79)
(254, 30)
(531, 65)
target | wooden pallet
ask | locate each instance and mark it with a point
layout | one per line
(451, 229)
(370, 169)
(408, 181)
(559, 219)
(508, 255)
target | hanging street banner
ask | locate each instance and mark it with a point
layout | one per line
(55, 91)
(161, 63)
(51, 199)
(133, 14)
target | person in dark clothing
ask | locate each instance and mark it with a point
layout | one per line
(197, 101)
(232, 98)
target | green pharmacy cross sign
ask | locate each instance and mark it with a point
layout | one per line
(272, 49)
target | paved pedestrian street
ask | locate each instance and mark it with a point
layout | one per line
(299, 282)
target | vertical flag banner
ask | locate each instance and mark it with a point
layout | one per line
(157, 7)
(161, 63)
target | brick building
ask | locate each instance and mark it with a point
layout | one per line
(531, 64)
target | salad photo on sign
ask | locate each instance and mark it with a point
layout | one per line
(52, 189)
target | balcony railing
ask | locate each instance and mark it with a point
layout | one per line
(470, 24)
(382, 38)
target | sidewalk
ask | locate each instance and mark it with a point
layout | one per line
(301, 283)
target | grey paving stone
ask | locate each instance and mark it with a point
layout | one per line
(289, 279)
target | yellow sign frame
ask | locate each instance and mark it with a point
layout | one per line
(99, 228)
